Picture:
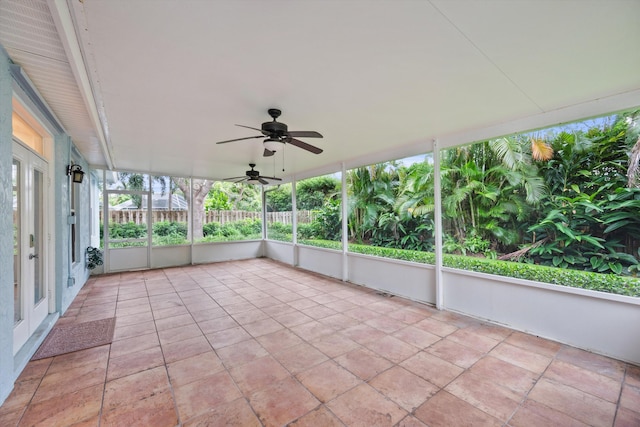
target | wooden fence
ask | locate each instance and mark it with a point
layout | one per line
(222, 217)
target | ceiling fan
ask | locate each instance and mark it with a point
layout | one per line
(277, 134)
(253, 176)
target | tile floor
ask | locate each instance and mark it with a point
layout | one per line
(257, 343)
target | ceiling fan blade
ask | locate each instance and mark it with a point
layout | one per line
(304, 134)
(233, 177)
(304, 145)
(262, 181)
(268, 153)
(239, 139)
(273, 178)
(259, 130)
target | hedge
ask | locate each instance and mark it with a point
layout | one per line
(610, 283)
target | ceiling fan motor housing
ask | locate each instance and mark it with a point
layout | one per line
(274, 129)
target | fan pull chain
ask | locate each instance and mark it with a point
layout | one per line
(283, 148)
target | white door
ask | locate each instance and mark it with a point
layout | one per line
(30, 301)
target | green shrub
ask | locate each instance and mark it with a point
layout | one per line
(168, 228)
(128, 230)
(610, 283)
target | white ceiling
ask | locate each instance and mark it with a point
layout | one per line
(150, 86)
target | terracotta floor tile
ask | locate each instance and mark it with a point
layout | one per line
(157, 410)
(312, 330)
(319, 417)
(194, 368)
(504, 374)
(10, 419)
(436, 327)
(301, 304)
(575, 403)
(179, 333)
(201, 396)
(227, 337)
(209, 314)
(237, 413)
(518, 356)
(534, 414)
(494, 399)
(319, 312)
(135, 387)
(262, 327)
(131, 363)
(403, 387)
(162, 313)
(133, 344)
(134, 330)
(365, 406)
(627, 418)
(282, 402)
(183, 349)
(407, 315)
(593, 362)
(432, 368)
(250, 316)
(91, 356)
(64, 409)
(328, 380)
(239, 307)
(468, 338)
(20, 396)
(363, 333)
(300, 358)
(292, 318)
(630, 397)
(386, 324)
(70, 380)
(632, 376)
(346, 344)
(392, 348)
(364, 363)
(132, 319)
(583, 379)
(417, 337)
(446, 410)
(362, 314)
(258, 374)
(334, 345)
(279, 340)
(533, 343)
(174, 322)
(241, 353)
(341, 305)
(218, 324)
(35, 369)
(455, 353)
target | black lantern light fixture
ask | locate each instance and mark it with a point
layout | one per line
(76, 173)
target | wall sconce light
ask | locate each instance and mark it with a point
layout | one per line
(76, 173)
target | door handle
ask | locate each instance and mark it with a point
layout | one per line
(32, 256)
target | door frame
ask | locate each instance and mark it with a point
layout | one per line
(34, 161)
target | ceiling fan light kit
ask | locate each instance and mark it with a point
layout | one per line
(278, 135)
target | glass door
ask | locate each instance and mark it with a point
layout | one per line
(30, 300)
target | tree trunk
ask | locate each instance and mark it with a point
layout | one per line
(195, 201)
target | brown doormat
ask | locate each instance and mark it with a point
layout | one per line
(80, 336)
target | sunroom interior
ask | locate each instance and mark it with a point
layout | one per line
(149, 89)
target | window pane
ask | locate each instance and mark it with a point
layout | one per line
(562, 202)
(319, 211)
(170, 210)
(391, 209)
(232, 212)
(279, 213)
